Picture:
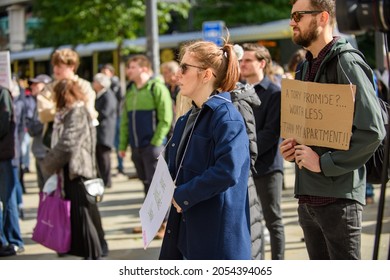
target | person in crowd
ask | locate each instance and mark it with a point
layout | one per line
(209, 161)
(109, 70)
(20, 113)
(278, 73)
(183, 104)
(26, 141)
(297, 57)
(330, 184)
(11, 241)
(245, 99)
(35, 127)
(146, 120)
(255, 66)
(382, 75)
(106, 106)
(65, 63)
(169, 70)
(72, 157)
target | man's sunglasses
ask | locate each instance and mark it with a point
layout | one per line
(184, 67)
(297, 15)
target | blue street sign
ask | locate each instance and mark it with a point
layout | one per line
(213, 31)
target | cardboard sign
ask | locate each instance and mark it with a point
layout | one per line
(5, 70)
(317, 114)
(157, 201)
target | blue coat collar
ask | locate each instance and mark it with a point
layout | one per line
(216, 100)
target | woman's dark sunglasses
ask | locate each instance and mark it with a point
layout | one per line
(297, 15)
(184, 67)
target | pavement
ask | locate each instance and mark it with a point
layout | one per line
(120, 214)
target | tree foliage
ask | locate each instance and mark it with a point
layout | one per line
(75, 22)
(238, 13)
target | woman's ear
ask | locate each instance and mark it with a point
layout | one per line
(208, 74)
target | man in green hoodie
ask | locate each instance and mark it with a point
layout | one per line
(330, 184)
(146, 117)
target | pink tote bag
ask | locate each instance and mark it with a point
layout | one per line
(53, 228)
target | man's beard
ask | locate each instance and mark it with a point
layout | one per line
(309, 37)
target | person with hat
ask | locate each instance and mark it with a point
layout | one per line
(35, 127)
(40, 80)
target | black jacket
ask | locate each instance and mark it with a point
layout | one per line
(106, 105)
(246, 100)
(267, 117)
(7, 126)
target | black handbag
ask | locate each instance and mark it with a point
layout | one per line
(94, 190)
(46, 138)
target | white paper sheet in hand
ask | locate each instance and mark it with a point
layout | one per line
(157, 202)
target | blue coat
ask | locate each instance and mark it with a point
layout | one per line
(212, 186)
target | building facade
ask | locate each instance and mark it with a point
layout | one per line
(15, 18)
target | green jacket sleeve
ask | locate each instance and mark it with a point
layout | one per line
(367, 128)
(163, 103)
(123, 129)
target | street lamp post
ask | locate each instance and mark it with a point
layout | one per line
(152, 35)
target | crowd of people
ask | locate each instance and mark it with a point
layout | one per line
(215, 116)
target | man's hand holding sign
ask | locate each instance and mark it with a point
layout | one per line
(317, 115)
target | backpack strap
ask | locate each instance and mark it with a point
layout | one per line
(130, 84)
(331, 66)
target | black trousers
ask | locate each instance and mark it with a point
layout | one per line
(103, 159)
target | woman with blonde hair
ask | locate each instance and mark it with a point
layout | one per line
(208, 159)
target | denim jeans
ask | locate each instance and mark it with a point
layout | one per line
(18, 186)
(369, 190)
(3, 240)
(269, 190)
(333, 231)
(10, 221)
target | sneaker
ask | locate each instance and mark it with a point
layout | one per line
(6, 251)
(133, 176)
(137, 230)
(18, 249)
(21, 213)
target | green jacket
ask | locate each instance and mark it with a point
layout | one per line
(147, 115)
(343, 172)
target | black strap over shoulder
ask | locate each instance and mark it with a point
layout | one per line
(331, 66)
